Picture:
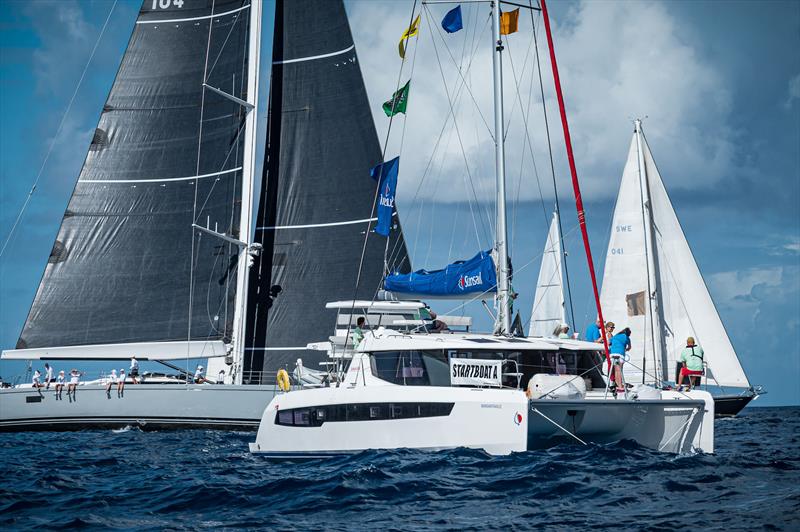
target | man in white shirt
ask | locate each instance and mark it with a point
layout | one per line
(134, 372)
(198, 375)
(48, 375)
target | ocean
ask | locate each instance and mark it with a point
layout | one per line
(134, 480)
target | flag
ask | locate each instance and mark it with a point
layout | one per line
(410, 32)
(452, 20)
(386, 176)
(398, 101)
(509, 22)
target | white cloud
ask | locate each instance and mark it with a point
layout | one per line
(617, 60)
(735, 288)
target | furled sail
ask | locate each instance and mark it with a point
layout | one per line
(317, 194)
(679, 294)
(127, 265)
(548, 303)
(465, 278)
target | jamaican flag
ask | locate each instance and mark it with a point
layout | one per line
(398, 101)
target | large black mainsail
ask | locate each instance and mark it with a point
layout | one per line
(317, 194)
(127, 266)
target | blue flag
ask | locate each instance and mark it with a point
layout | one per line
(452, 20)
(386, 176)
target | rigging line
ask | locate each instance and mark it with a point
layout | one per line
(552, 165)
(374, 200)
(222, 48)
(455, 125)
(196, 188)
(458, 93)
(527, 141)
(58, 131)
(458, 69)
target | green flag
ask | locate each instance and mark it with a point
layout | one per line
(397, 104)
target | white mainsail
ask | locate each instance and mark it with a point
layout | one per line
(548, 303)
(653, 284)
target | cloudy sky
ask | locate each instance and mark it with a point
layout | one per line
(717, 83)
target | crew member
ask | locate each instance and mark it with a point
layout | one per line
(198, 375)
(691, 363)
(358, 332)
(121, 383)
(112, 380)
(593, 332)
(620, 345)
(48, 375)
(134, 372)
(59, 385)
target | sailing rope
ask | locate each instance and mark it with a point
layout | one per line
(575, 185)
(534, 409)
(553, 174)
(58, 131)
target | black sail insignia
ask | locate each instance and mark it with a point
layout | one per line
(127, 266)
(316, 195)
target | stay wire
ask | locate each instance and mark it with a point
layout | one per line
(552, 166)
(58, 131)
(375, 196)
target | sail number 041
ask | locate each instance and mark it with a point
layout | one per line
(164, 4)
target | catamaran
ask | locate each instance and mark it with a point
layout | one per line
(157, 255)
(652, 285)
(427, 388)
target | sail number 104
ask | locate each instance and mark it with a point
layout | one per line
(164, 4)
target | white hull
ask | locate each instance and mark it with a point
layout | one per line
(148, 406)
(499, 421)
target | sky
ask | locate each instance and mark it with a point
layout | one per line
(716, 83)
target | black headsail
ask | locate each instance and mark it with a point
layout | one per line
(127, 266)
(317, 194)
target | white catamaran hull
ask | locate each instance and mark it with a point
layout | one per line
(497, 421)
(148, 406)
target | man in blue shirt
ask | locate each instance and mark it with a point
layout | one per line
(620, 345)
(593, 331)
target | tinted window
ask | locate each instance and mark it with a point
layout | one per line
(317, 415)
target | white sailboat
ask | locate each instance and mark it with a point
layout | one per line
(652, 285)
(549, 309)
(496, 392)
(157, 255)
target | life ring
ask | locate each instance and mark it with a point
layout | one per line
(283, 380)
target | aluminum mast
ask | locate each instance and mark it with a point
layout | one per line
(248, 175)
(501, 242)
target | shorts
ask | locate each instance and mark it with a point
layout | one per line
(690, 372)
(617, 360)
(134, 372)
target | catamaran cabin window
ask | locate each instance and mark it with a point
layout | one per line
(412, 368)
(315, 416)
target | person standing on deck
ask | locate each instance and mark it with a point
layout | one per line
(691, 363)
(134, 372)
(620, 345)
(593, 332)
(358, 332)
(221, 377)
(48, 375)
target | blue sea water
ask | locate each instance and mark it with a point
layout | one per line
(128, 479)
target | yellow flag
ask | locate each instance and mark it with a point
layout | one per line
(509, 22)
(410, 32)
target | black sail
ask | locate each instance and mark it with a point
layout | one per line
(127, 266)
(316, 186)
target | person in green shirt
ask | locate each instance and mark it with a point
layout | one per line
(358, 332)
(692, 363)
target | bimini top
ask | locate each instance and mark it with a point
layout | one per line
(377, 306)
(390, 340)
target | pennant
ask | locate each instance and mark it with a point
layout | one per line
(452, 20)
(509, 22)
(397, 104)
(410, 32)
(386, 176)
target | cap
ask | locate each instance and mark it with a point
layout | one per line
(199, 367)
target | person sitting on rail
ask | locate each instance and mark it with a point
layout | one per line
(692, 363)
(112, 380)
(59, 385)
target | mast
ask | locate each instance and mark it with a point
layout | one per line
(248, 177)
(653, 293)
(501, 241)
